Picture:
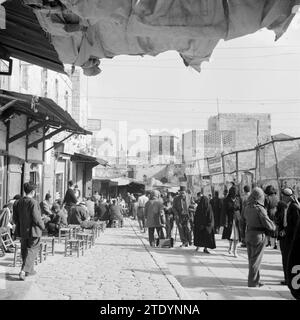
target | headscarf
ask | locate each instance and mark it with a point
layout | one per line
(256, 196)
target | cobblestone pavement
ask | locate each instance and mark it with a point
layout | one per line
(117, 267)
(220, 276)
(122, 266)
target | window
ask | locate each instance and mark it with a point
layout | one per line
(160, 146)
(172, 146)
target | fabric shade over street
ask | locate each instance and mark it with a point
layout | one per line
(24, 39)
(83, 32)
(93, 161)
(38, 109)
(125, 181)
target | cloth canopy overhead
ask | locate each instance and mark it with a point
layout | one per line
(38, 109)
(24, 39)
(83, 32)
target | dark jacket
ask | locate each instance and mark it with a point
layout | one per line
(293, 215)
(177, 207)
(27, 217)
(154, 213)
(232, 212)
(77, 214)
(115, 212)
(70, 198)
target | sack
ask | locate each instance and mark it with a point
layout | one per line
(165, 243)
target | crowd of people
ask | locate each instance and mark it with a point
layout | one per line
(254, 220)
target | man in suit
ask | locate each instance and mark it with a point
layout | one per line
(181, 212)
(70, 199)
(29, 226)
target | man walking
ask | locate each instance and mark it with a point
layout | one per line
(70, 199)
(29, 226)
(180, 209)
(142, 200)
(155, 217)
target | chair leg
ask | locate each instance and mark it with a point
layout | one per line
(78, 248)
(53, 244)
(15, 256)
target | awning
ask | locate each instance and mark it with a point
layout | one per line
(93, 161)
(24, 39)
(41, 110)
(125, 181)
(123, 27)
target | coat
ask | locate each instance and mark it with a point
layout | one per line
(154, 213)
(178, 209)
(28, 219)
(232, 212)
(77, 214)
(216, 205)
(293, 263)
(70, 198)
(204, 225)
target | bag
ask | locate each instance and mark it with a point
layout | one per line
(164, 243)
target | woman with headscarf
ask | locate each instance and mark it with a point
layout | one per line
(257, 223)
(204, 235)
(232, 212)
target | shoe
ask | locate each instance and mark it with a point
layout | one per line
(229, 252)
(257, 285)
(22, 276)
(29, 274)
(206, 251)
(275, 247)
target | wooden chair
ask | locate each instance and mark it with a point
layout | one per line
(49, 240)
(86, 238)
(64, 233)
(74, 244)
(6, 241)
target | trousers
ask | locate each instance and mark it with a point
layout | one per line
(255, 242)
(29, 251)
(151, 234)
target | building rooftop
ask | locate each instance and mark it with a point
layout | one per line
(163, 134)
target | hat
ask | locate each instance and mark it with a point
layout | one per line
(182, 188)
(287, 192)
(257, 195)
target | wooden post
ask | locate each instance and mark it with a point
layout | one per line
(276, 166)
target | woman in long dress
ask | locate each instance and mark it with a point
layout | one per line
(204, 226)
(232, 212)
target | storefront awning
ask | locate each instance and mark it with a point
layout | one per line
(93, 161)
(44, 111)
(23, 38)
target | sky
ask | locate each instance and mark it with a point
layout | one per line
(249, 74)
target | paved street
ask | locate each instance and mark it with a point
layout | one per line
(122, 266)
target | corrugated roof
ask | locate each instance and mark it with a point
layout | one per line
(24, 38)
(44, 110)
